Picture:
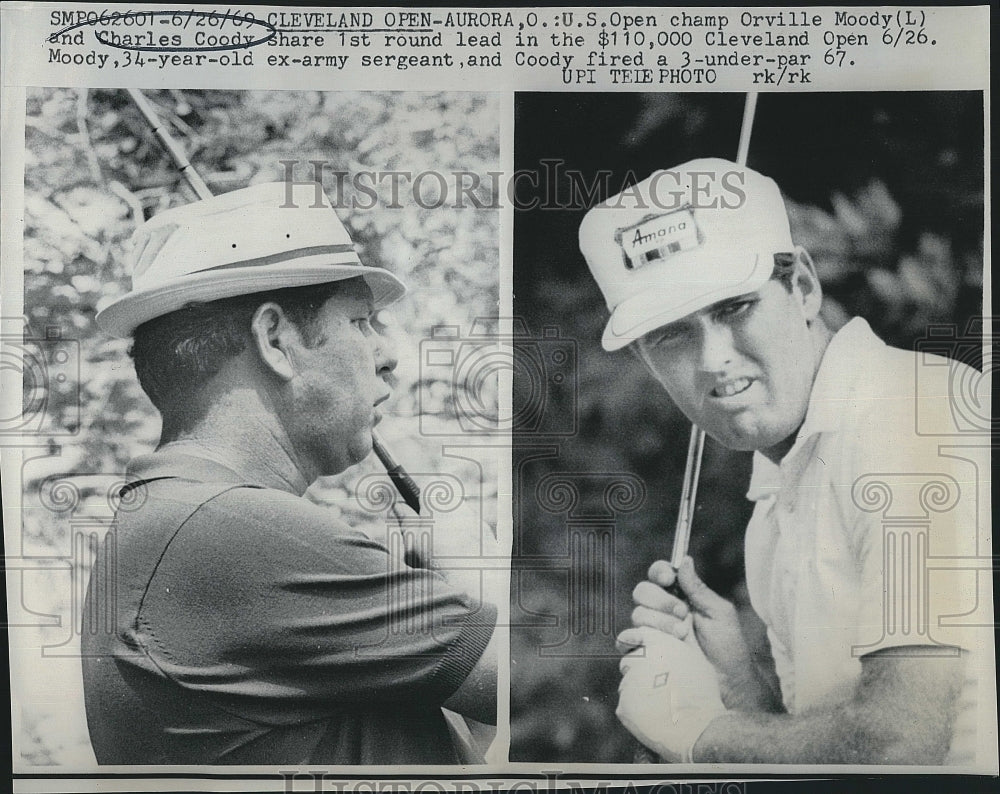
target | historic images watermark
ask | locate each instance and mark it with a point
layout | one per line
(553, 186)
(468, 366)
(47, 363)
(321, 780)
(935, 523)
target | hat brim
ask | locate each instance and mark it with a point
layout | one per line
(635, 317)
(130, 311)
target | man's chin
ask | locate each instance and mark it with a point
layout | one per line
(359, 449)
(736, 441)
(746, 441)
(740, 445)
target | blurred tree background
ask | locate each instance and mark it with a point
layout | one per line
(886, 192)
(94, 170)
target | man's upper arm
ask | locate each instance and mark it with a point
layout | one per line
(476, 696)
(906, 704)
(306, 609)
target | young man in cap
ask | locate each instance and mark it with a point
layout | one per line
(251, 627)
(703, 281)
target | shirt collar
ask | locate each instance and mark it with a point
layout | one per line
(187, 461)
(844, 362)
(765, 479)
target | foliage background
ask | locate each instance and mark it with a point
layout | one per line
(886, 192)
(93, 170)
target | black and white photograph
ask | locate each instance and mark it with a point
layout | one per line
(801, 277)
(239, 469)
(461, 399)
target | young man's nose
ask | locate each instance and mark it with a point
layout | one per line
(716, 346)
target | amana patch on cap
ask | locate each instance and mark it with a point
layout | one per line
(658, 237)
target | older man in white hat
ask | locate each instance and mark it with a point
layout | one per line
(251, 627)
(704, 282)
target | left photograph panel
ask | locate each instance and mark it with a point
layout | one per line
(241, 540)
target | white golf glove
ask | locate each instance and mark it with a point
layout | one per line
(668, 694)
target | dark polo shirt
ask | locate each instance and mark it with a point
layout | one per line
(254, 628)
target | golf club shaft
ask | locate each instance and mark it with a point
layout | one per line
(696, 443)
(689, 492)
(174, 148)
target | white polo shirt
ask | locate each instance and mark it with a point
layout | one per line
(873, 531)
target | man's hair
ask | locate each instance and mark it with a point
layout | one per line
(179, 352)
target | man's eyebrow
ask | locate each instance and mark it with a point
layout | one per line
(729, 301)
(712, 307)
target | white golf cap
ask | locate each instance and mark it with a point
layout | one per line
(681, 240)
(269, 236)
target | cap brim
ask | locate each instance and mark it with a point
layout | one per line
(123, 316)
(635, 317)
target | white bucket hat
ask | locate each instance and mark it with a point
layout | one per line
(681, 240)
(237, 243)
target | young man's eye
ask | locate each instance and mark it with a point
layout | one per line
(734, 309)
(664, 336)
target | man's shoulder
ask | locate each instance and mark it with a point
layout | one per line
(878, 366)
(175, 479)
(211, 534)
(895, 424)
(886, 409)
(919, 365)
(894, 389)
(220, 511)
(268, 507)
(250, 511)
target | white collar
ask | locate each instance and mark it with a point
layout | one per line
(845, 362)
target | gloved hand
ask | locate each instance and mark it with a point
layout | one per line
(716, 625)
(668, 694)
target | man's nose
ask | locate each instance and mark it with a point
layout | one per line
(386, 344)
(716, 346)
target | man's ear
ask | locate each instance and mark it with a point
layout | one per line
(805, 284)
(271, 331)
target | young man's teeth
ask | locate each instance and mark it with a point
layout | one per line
(734, 387)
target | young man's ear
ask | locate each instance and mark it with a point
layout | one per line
(271, 331)
(805, 284)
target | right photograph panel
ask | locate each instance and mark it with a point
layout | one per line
(751, 428)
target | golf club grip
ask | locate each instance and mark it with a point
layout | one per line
(402, 481)
(406, 487)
